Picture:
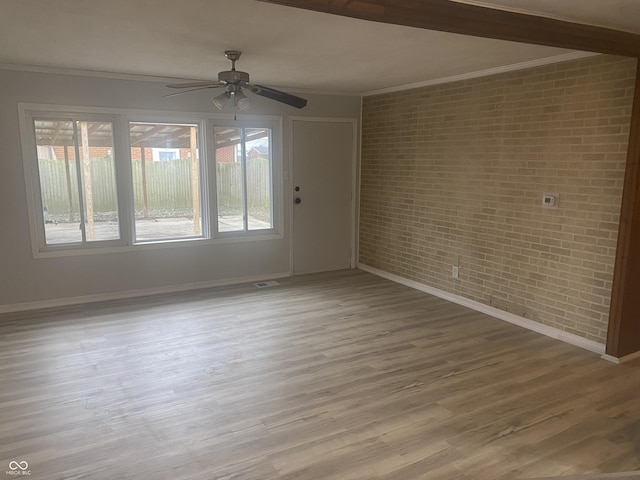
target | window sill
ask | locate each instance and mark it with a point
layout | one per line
(161, 244)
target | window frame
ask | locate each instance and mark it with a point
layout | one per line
(120, 118)
(37, 201)
(203, 176)
(277, 186)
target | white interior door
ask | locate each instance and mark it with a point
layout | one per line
(323, 209)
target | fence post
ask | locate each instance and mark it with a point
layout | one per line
(67, 172)
(143, 172)
(195, 191)
(84, 132)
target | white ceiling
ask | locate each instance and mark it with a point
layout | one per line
(282, 47)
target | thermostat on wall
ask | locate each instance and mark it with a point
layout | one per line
(550, 200)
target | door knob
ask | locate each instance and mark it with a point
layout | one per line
(297, 200)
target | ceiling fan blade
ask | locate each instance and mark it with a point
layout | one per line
(190, 90)
(210, 84)
(279, 96)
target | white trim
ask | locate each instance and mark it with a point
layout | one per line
(354, 185)
(86, 73)
(595, 476)
(288, 189)
(537, 327)
(436, 81)
(618, 361)
(28, 167)
(610, 358)
(121, 117)
(153, 78)
(356, 252)
(142, 114)
(565, 57)
(101, 297)
(222, 239)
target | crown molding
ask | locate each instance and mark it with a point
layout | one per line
(149, 78)
(565, 57)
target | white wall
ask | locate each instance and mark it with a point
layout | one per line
(24, 280)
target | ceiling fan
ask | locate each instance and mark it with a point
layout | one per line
(234, 81)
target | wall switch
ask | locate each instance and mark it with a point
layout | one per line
(455, 271)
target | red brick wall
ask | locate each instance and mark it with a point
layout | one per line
(226, 154)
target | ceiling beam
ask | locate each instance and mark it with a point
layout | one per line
(623, 335)
(453, 17)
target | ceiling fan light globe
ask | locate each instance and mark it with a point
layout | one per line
(244, 104)
(242, 101)
(221, 100)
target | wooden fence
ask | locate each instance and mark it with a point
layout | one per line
(168, 185)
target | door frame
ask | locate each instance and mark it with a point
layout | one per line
(354, 180)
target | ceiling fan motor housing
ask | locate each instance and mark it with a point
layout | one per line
(235, 81)
(233, 77)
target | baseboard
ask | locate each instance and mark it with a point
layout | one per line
(595, 476)
(537, 327)
(101, 297)
(610, 358)
(618, 361)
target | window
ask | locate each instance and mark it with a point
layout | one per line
(243, 178)
(163, 154)
(76, 172)
(100, 179)
(166, 180)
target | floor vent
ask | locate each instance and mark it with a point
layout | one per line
(270, 283)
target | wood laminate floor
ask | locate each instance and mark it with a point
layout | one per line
(333, 376)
